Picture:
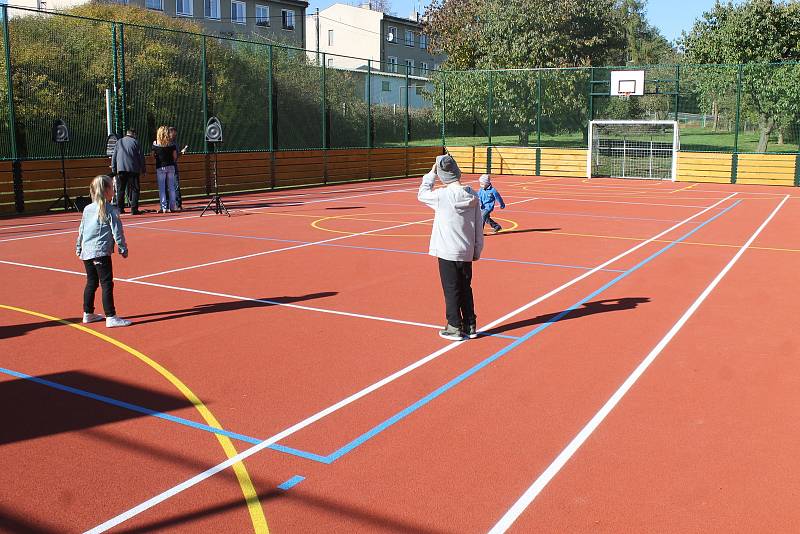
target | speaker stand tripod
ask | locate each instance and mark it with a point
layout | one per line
(216, 200)
(69, 204)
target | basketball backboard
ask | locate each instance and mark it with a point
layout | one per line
(627, 82)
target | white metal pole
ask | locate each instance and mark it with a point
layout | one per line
(109, 127)
(589, 152)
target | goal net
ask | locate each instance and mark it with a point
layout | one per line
(646, 150)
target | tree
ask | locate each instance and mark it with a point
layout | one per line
(644, 43)
(519, 34)
(755, 33)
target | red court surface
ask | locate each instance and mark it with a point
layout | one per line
(638, 371)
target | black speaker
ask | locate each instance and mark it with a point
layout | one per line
(60, 132)
(214, 130)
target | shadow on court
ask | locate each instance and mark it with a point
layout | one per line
(346, 208)
(11, 522)
(227, 306)
(42, 410)
(506, 232)
(15, 330)
(589, 308)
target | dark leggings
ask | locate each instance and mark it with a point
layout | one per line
(99, 272)
(456, 279)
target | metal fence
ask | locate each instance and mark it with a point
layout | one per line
(270, 97)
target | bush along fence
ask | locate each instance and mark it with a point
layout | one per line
(100, 76)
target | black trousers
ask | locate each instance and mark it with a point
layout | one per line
(457, 286)
(99, 272)
(128, 182)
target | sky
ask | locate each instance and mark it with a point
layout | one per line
(669, 16)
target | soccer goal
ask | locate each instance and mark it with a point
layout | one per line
(644, 150)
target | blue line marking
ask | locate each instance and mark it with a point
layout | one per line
(132, 407)
(292, 482)
(499, 354)
(375, 249)
(301, 454)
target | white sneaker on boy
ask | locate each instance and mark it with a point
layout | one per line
(91, 318)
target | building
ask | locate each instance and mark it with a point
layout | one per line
(279, 21)
(349, 35)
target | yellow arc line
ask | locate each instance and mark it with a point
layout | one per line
(249, 492)
(318, 224)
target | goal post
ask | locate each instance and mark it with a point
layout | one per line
(637, 149)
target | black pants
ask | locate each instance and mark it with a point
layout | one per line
(128, 182)
(99, 272)
(457, 285)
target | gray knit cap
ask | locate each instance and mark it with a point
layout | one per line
(447, 169)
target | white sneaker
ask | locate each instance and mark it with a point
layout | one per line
(91, 318)
(114, 321)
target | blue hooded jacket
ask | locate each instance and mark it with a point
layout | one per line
(488, 198)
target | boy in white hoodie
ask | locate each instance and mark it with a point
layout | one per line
(456, 240)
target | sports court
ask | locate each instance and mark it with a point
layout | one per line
(637, 370)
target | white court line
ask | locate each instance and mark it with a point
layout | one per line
(171, 219)
(293, 247)
(533, 491)
(616, 201)
(161, 497)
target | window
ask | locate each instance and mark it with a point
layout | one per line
(330, 37)
(391, 35)
(183, 7)
(423, 41)
(420, 90)
(238, 12)
(391, 64)
(211, 9)
(330, 62)
(262, 16)
(386, 87)
(410, 66)
(409, 38)
(287, 19)
(423, 68)
(154, 4)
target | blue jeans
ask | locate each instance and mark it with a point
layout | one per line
(486, 218)
(166, 186)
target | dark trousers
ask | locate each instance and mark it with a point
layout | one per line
(488, 219)
(457, 285)
(128, 182)
(99, 272)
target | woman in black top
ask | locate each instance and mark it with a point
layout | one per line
(165, 154)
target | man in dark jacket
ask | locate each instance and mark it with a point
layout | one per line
(127, 162)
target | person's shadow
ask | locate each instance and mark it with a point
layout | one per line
(524, 231)
(227, 306)
(15, 330)
(589, 308)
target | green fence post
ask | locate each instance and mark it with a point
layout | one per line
(677, 90)
(369, 103)
(270, 118)
(116, 75)
(735, 157)
(10, 84)
(538, 116)
(797, 171)
(491, 105)
(444, 107)
(591, 94)
(408, 97)
(324, 110)
(123, 79)
(204, 63)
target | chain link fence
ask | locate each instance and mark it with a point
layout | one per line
(270, 97)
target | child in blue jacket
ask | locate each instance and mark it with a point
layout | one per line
(488, 195)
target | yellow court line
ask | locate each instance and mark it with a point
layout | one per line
(246, 484)
(690, 186)
(625, 238)
(318, 225)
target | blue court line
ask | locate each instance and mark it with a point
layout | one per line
(292, 482)
(129, 406)
(496, 356)
(376, 249)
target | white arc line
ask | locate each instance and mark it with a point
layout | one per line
(161, 497)
(533, 491)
